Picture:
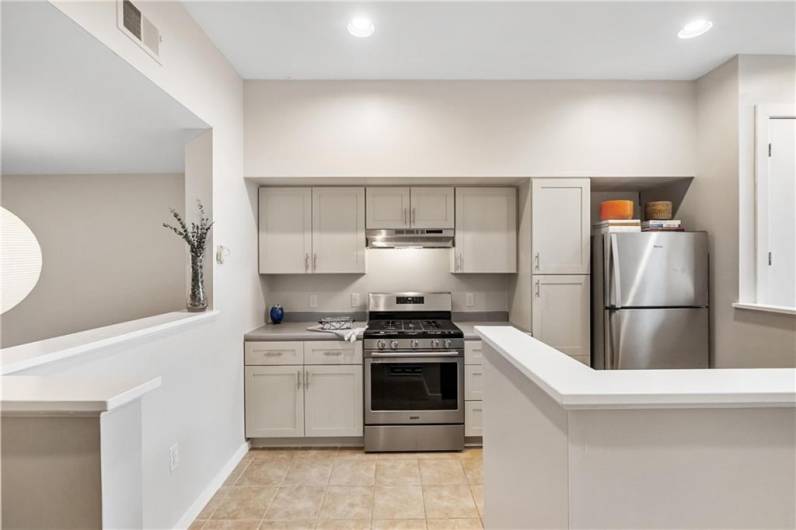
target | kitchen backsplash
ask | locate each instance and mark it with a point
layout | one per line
(389, 270)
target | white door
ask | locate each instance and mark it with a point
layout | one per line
(432, 208)
(338, 230)
(561, 312)
(777, 216)
(486, 230)
(388, 207)
(285, 230)
(274, 401)
(333, 400)
(560, 231)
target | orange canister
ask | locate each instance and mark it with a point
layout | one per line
(616, 209)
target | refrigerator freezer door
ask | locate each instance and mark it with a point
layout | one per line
(656, 269)
(656, 338)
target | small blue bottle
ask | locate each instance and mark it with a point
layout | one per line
(277, 314)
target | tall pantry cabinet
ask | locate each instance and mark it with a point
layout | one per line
(558, 311)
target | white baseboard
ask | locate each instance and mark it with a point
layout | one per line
(211, 489)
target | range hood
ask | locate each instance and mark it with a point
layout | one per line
(410, 238)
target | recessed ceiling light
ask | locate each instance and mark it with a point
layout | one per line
(695, 28)
(361, 27)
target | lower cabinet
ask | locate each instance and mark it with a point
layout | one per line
(309, 399)
(333, 400)
(473, 388)
(274, 401)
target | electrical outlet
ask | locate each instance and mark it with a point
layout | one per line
(469, 299)
(174, 457)
(354, 299)
(313, 300)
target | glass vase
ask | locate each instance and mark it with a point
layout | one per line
(197, 299)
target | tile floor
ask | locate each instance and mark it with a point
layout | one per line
(331, 489)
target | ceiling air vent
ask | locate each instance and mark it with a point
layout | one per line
(139, 28)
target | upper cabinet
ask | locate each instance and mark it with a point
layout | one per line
(486, 231)
(304, 230)
(285, 232)
(432, 208)
(338, 230)
(388, 207)
(560, 226)
(404, 207)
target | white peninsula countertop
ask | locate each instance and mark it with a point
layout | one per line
(576, 448)
(574, 385)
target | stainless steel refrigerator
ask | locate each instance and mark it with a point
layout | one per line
(650, 300)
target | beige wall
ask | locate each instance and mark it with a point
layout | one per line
(106, 258)
(469, 128)
(390, 270)
(740, 338)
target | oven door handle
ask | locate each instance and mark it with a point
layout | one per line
(399, 355)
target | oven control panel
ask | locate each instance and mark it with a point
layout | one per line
(413, 344)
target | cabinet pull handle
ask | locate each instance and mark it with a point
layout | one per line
(414, 216)
(477, 410)
(537, 289)
(298, 379)
(306, 262)
(536, 258)
(307, 379)
(273, 353)
(335, 353)
(406, 220)
(461, 262)
(314, 262)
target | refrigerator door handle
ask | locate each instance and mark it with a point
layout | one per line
(614, 278)
(613, 352)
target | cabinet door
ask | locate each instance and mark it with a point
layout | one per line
(561, 312)
(560, 226)
(432, 208)
(285, 230)
(338, 230)
(486, 230)
(388, 207)
(274, 401)
(333, 400)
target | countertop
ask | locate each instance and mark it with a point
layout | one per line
(293, 331)
(288, 331)
(574, 385)
(57, 394)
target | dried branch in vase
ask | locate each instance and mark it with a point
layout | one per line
(195, 237)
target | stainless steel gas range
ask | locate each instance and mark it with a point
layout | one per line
(414, 374)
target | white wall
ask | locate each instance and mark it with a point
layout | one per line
(739, 338)
(106, 257)
(390, 270)
(201, 402)
(469, 128)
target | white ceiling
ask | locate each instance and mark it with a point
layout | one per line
(70, 105)
(490, 40)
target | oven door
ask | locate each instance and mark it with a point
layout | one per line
(418, 388)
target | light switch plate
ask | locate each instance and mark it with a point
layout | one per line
(469, 299)
(313, 300)
(355, 300)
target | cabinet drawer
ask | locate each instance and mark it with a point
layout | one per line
(472, 352)
(473, 418)
(273, 353)
(332, 352)
(473, 382)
